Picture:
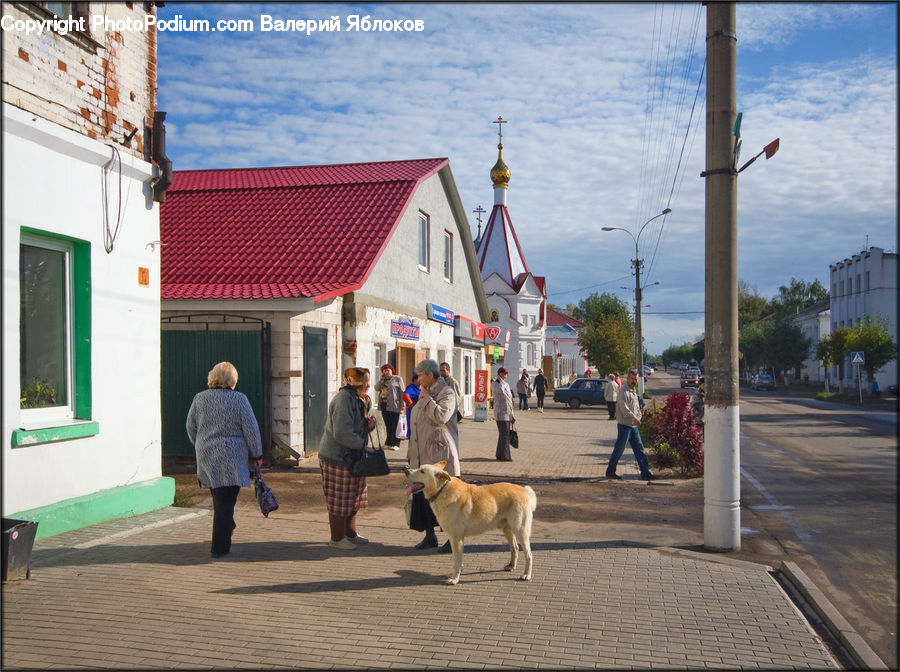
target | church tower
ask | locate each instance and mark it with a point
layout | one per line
(516, 298)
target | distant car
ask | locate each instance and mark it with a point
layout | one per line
(892, 389)
(647, 370)
(763, 382)
(675, 365)
(582, 391)
(690, 378)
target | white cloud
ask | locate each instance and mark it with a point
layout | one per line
(574, 82)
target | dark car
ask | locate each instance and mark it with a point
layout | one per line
(892, 389)
(690, 378)
(582, 391)
(763, 382)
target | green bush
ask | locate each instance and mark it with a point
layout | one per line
(182, 500)
(663, 456)
(824, 396)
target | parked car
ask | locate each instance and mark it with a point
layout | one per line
(690, 378)
(763, 381)
(582, 391)
(892, 389)
(675, 365)
(647, 371)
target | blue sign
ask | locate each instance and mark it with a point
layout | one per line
(858, 357)
(404, 330)
(439, 314)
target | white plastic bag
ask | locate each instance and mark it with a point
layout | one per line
(402, 427)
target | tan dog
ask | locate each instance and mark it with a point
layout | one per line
(464, 510)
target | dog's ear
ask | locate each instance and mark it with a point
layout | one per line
(442, 477)
(441, 464)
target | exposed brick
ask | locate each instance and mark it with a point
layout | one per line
(61, 65)
(23, 54)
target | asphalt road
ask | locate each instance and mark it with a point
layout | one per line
(821, 480)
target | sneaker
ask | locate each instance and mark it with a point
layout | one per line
(358, 539)
(542, 410)
(614, 477)
(648, 477)
(344, 544)
(392, 447)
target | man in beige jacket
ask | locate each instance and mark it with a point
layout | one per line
(628, 419)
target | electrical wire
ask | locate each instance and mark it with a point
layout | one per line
(109, 236)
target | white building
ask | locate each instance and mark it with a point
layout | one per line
(865, 284)
(81, 396)
(307, 270)
(815, 323)
(562, 342)
(516, 298)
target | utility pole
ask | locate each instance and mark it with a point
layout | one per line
(638, 336)
(721, 483)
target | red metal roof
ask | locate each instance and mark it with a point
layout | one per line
(557, 319)
(314, 231)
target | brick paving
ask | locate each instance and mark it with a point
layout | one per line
(144, 592)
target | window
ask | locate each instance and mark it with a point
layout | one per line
(54, 338)
(868, 286)
(858, 283)
(45, 334)
(448, 256)
(468, 367)
(380, 357)
(529, 354)
(849, 285)
(424, 251)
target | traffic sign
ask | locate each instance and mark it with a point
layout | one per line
(858, 357)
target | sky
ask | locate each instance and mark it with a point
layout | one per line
(606, 127)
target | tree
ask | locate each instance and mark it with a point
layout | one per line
(786, 346)
(796, 296)
(590, 309)
(871, 337)
(751, 306)
(839, 351)
(824, 349)
(753, 346)
(608, 344)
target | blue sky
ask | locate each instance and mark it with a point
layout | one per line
(598, 98)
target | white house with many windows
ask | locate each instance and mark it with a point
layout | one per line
(865, 284)
(815, 323)
(81, 419)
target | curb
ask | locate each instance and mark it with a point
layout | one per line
(856, 646)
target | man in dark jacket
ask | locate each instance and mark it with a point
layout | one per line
(540, 388)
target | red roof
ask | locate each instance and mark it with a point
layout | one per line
(255, 233)
(558, 319)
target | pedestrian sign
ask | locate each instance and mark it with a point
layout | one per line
(858, 357)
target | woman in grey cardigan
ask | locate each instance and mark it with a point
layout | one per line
(223, 429)
(391, 386)
(503, 414)
(433, 437)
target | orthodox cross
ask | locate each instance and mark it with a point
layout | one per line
(500, 120)
(479, 211)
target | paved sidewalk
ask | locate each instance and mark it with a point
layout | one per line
(144, 592)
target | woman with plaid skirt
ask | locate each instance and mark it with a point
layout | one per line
(346, 434)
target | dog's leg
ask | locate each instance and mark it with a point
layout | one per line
(525, 536)
(457, 546)
(513, 548)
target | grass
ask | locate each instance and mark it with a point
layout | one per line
(182, 500)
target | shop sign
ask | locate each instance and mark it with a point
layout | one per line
(496, 335)
(439, 314)
(481, 395)
(404, 330)
(468, 332)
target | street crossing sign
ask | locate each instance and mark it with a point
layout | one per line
(858, 357)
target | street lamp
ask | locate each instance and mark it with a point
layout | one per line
(639, 340)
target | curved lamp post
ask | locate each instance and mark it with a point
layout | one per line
(639, 340)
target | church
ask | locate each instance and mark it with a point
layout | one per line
(517, 299)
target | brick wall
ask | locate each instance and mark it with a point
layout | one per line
(100, 84)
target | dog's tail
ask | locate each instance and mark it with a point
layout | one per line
(532, 498)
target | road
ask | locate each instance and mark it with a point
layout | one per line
(821, 480)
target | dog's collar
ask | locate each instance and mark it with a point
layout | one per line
(440, 490)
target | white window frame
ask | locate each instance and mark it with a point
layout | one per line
(379, 352)
(448, 256)
(424, 242)
(38, 417)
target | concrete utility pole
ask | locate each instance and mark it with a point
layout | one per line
(721, 483)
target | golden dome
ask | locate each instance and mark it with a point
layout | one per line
(500, 171)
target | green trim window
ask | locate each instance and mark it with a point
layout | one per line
(424, 243)
(54, 335)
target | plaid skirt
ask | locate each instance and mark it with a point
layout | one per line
(344, 493)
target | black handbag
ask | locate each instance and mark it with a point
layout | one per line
(371, 463)
(264, 495)
(513, 435)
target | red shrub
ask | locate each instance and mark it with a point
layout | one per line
(679, 428)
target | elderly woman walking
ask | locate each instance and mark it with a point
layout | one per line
(225, 435)
(346, 434)
(433, 437)
(610, 394)
(503, 413)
